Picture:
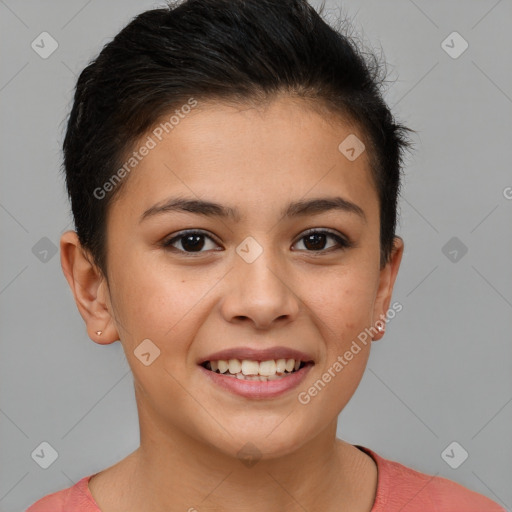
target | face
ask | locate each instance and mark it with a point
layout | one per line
(264, 275)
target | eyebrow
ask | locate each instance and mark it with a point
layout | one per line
(294, 209)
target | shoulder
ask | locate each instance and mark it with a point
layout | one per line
(73, 499)
(402, 488)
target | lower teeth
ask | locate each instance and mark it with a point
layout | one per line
(260, 378)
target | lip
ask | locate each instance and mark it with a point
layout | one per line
(257, 354)
(257, 389)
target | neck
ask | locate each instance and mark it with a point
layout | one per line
(182, 474)
(173, 471)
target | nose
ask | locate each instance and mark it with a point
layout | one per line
(260, 292)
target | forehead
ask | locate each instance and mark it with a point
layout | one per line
(251, 156)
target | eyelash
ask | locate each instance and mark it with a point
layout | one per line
(342, 243)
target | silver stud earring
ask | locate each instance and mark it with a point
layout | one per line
(380, 328)
(99, 333)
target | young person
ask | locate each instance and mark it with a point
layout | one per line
(233, 173)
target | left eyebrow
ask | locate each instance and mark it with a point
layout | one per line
(293, 209)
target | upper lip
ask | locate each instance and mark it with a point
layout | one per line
(257, 354)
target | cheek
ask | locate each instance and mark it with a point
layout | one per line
(343, 307)
(150, 302)
(166, 305)
(158, 305)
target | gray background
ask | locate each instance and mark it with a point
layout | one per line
(443, 371)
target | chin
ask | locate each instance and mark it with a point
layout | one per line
(262, 439)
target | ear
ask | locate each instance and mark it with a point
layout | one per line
(386, 283)
(89, 288)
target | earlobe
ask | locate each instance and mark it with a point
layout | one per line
(89, 289)
(385, 290)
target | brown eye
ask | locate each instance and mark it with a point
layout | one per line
(190, 242)
(315, 241)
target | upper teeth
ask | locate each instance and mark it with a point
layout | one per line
(249, 367)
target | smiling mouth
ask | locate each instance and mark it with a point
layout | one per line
(263, 371)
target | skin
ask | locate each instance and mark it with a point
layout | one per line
(257, 160)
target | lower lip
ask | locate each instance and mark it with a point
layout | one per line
(258, 389)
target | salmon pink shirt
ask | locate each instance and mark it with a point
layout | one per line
(399, 489)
